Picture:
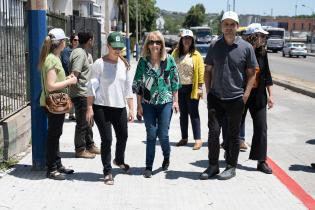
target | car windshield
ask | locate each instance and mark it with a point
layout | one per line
(298, 45)
(202, 49)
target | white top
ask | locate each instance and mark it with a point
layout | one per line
(110, 84)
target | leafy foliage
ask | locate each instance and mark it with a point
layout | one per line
(147, 14)
(196, 16)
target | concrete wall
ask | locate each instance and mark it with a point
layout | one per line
(1, 143)
(16, 133)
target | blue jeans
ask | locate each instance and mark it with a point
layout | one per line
(157, 120)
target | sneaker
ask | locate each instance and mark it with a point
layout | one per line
(56, 175)
(228, 173)
(84, 154)
(211, 171)
(94, 150)
(165, 164)
(263, 167)
(147, 173)
(243, 146)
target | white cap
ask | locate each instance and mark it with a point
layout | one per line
(255, 28)
(230, 15)
(58, 34)
(187, 32)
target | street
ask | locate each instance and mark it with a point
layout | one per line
(302, 68)
(291, 135)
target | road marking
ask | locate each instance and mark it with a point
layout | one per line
(292, 185)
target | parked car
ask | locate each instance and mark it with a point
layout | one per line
(203, 49)
(294, 49)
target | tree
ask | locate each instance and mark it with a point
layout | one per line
(147, 14)
(216, 24)
(196, 16)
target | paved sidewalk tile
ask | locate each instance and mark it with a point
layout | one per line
(178, 188)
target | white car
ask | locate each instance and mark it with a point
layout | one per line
(294, 49)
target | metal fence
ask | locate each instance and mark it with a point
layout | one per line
(13, 77)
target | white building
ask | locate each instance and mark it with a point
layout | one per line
(106, 11)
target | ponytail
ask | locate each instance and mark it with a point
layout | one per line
(125, 61)
(44, 51)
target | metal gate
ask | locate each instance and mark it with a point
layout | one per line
(80, 24)
(13, 77)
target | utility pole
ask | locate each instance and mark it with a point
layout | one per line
(313, 24)
(37, 31)
(137, 42)
(127, 32)
(234, 5)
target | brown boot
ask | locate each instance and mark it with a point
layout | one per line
(84, 154)
(182, 142)
(94, 149)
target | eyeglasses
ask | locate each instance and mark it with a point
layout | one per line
(75, 40)
(157, 42)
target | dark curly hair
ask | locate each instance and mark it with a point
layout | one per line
(253, 40)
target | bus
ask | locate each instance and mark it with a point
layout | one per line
(202, 34)
(275, 38)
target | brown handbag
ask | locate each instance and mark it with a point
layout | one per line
(58, 103)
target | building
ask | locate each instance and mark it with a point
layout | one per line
(291, 24)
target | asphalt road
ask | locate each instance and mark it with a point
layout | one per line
(302, 68)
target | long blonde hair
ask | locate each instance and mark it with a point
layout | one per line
(146, 51)
(48, 46)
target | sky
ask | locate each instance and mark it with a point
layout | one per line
(259, 7)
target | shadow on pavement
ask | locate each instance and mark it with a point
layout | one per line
(182, 174)
(205, 163)
(67, 154)
(305, 168)
(189, 144)
(26, 172)
(311, 141)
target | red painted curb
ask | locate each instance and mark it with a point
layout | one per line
(292, 185)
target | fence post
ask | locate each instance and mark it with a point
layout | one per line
(37, 34)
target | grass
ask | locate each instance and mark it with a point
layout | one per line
(8, 164)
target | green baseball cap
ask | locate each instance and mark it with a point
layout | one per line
(116, 40)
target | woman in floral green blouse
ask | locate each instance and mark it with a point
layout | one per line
(156, 84)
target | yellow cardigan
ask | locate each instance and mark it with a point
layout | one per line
(199, 70)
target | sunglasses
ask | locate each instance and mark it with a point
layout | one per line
(75, 40)
(117, 48)
(157, 42)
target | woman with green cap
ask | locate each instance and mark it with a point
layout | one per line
(109, 90)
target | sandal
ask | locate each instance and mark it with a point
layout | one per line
(108, 179)
(123, 166)
(56, 175)
(64, 170)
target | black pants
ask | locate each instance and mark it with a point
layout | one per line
(104, 118)
(216, 110)
(188, 106)
(55, 123)
(258, 150)
(83, 138)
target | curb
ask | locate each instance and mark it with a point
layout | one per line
(303, 90)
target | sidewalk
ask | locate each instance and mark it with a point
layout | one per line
(178, 188)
